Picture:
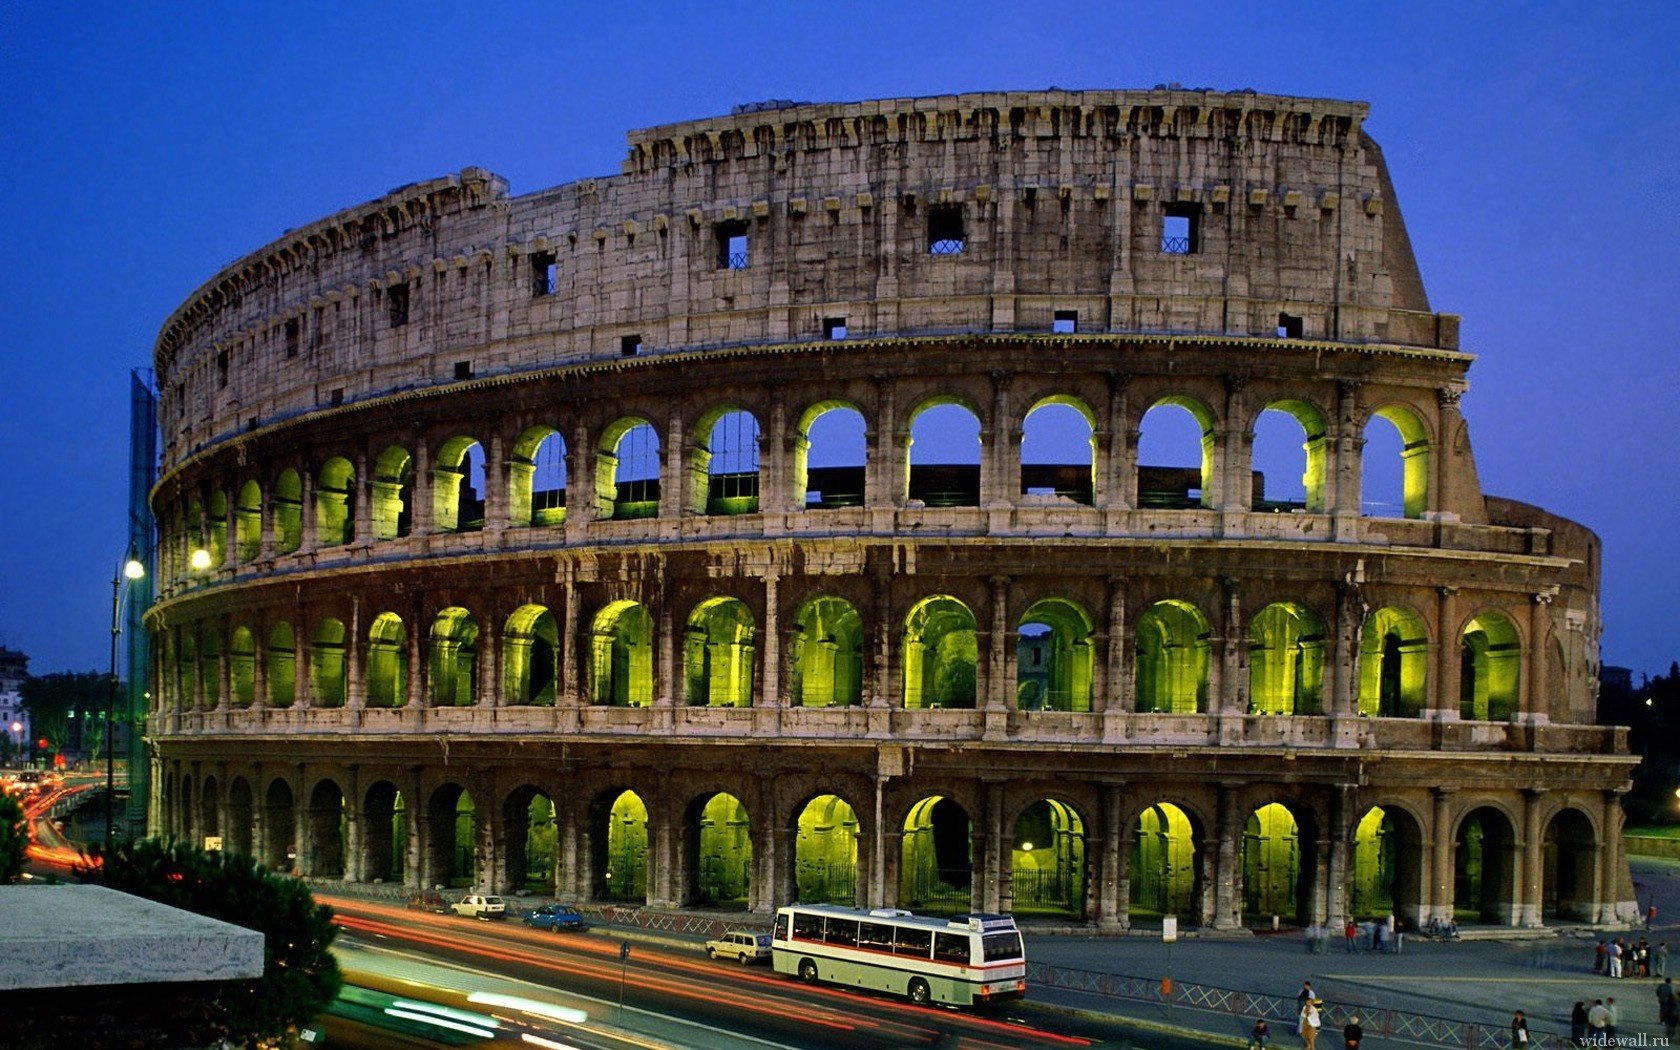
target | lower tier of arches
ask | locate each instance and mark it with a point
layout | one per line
(1102, 839)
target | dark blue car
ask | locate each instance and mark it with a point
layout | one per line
(556, 917)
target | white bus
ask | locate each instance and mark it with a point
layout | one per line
(962, 961)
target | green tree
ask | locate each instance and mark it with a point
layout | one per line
(14, 838)
(300, 976)
(68, 709)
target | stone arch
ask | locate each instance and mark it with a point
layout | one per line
(1490, 668)
(936, 858)
(393, 494)
(1278, 866)
(210, 664)
(286, 509)
(386, 672)
(1059, 451)
(530, 841)
(1047, 860)
(537, 478)
(1278, 425)
(216, 531)
(940, 654)
(335, 503)
(327, 823)
(1414, 465)
(1286, 646)
(618, 835)
(830, 453)
(458, 486)
(241, 818)
(1569, 867)
(1393, 664)
(247, 523)
(453, 658)
(717, 853)
(1485, 864)
(825, 852)
(327, 667)
(1173, 657)
(627, 470)
(385, 833)
(825, 664)
(718, 654)
(1176, 486)
(1388, 865)
(1166, 863)
(1053, 657)
(279, 823)
(242, 667)
(621, 655)
(451, 838)
(530, 657)
(723, 464)
(945, 473)
(209, 808)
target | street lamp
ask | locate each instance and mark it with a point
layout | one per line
(17, 740)
(131, 569)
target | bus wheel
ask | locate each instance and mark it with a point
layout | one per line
(919, 993)
(807, 971)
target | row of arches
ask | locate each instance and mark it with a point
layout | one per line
(1059, 458)
(1045, 863)
(825, 659)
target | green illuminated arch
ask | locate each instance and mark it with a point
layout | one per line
(720, 867)
(627, 470)
(723, 466)
(1205, 421)
(1271, 864)
(940, 654)
(210, 660)
(217, 534)
(186, 669)
(457, 504)
(387, 662)
(193, 535)
(718, 654)
(287, 509)
(1414, 456)
(326, 664)
(1166, 863)
(393, 493)
(1048, 860)
(242, 667)
(281, 669)
(531, 841)
(826, 662)
(1315, 444)
(825, 853)
(1388, 856)
(335, 511)
(530, 657)
(936, 866)
(1053, 657)
(1393, 664)
(1485, 864)
(1172, 659)
(1286, 661)
(1049, 474)
(453, 659)
(537, 478)
(1490, 668)
(838, 484)
(247, 523)
(621, 656)
(620, 850)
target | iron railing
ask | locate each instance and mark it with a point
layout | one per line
(1175, 246)
(948, 246)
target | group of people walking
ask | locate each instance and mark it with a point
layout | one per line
(1631, 958)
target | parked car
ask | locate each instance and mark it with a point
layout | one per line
(479, 906)
(744, 947)
(556, 917)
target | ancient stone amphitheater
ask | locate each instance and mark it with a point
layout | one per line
(767, 522)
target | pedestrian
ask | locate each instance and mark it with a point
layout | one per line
(1309, 1023)
(1659, 960)
(1382, 937)
(1598, 1019)
(1352, 1033)
(1519, 1031)
(1312, 938)
(1650, 916)
(1610, 1018)
(1668, 1007)
(1304, 996)
(1260, 1036)
(1578, 1024)
(1614, 953)
(1349, 933)
(1599, 957)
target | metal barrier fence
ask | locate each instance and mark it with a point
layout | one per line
(1281, 1012)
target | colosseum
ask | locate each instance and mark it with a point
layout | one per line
(768, 522)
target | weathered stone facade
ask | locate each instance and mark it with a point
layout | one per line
(513, 506)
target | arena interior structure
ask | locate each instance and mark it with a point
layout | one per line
(768, 522)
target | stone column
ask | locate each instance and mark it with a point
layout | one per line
(419, 667)
(570, 695)
(674, 482)
(361, 492)
(265, 520)
(770, 670)
(884, 466)
(581, 495)
(880, 630)
(421, 491)
(1335, 884)
(496, 475)
(995, 876)
(355, 864)
(1113, 493)
(1535, 695)
(1000, 461)
(306, 512)
(487, 673)
(997, 695)
(1344, 468)
(1446, 692)
(1118, 698)
(775, 472)
(1530, 904)
(1111, 911)
(355, 689)
(1441, 880)
(1227, 879)
(1229, 687)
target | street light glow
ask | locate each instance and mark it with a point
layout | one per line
(200, 560)
(133, 569)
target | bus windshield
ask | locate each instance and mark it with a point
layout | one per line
(1000, 946)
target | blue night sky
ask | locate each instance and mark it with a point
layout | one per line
(1533, 148)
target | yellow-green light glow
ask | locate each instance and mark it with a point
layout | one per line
(200, 559)
(133, 569)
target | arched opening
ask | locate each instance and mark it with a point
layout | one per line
(944, 455)
(387, 662)
(1275, 881)
(1176, 455)
(830, 451)
(280, 851)
(210, 663)
(1286, 661)
(241, 818)
(531, 842)
(1387, 876)
(1485, 868)
(242, 667)
(458, 486)
(1290, 458)
(723, 468)
(186, 669)
(281, 671)
(1166, 868)
(335, 503)
(216, 538)
(209, 809)
(1053, 657)
(384, 834)
(1047, 861)
(618, 848)
(326, 664)
(1569, 884)
(393, 494)
(530, 657)
(247, 523)
(1490, 665)
(452, 838)
(718, 838)
(936, 863)
(327, 831)
(826, 662)
(1172, 659)
(454, 659)
(1395, 462)
(1059, 452)
(825, 852)
(718, 654)
(287, 511)
(941, 654)
(627, 471)
(183, 808)
(537, 479)
(1393, 664)
(621, 658)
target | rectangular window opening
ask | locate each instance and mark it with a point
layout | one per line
(1181, 229)
(629, 345)
(544, 275)
(1289, 326)
(1066, 322)
(946, 233)
(336, 398)
(732, 245)
(834, 328)
(222, 370)
(396, 298)
(463, 370)
(294, 332)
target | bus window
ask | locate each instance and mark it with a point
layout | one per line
(781, 927)
(910, 941)
(1000, 946)
(951, 947)
(842, 931)
(807, 927)
(875, 935)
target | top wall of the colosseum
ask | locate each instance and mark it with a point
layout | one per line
(1044, 204)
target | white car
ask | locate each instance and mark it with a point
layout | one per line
(479, 906)
(744, 947)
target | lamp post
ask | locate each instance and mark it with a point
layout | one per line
(131, 569)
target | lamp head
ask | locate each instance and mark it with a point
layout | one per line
(133, 569)
(200, 559)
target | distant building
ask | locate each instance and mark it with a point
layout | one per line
(14, 669)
